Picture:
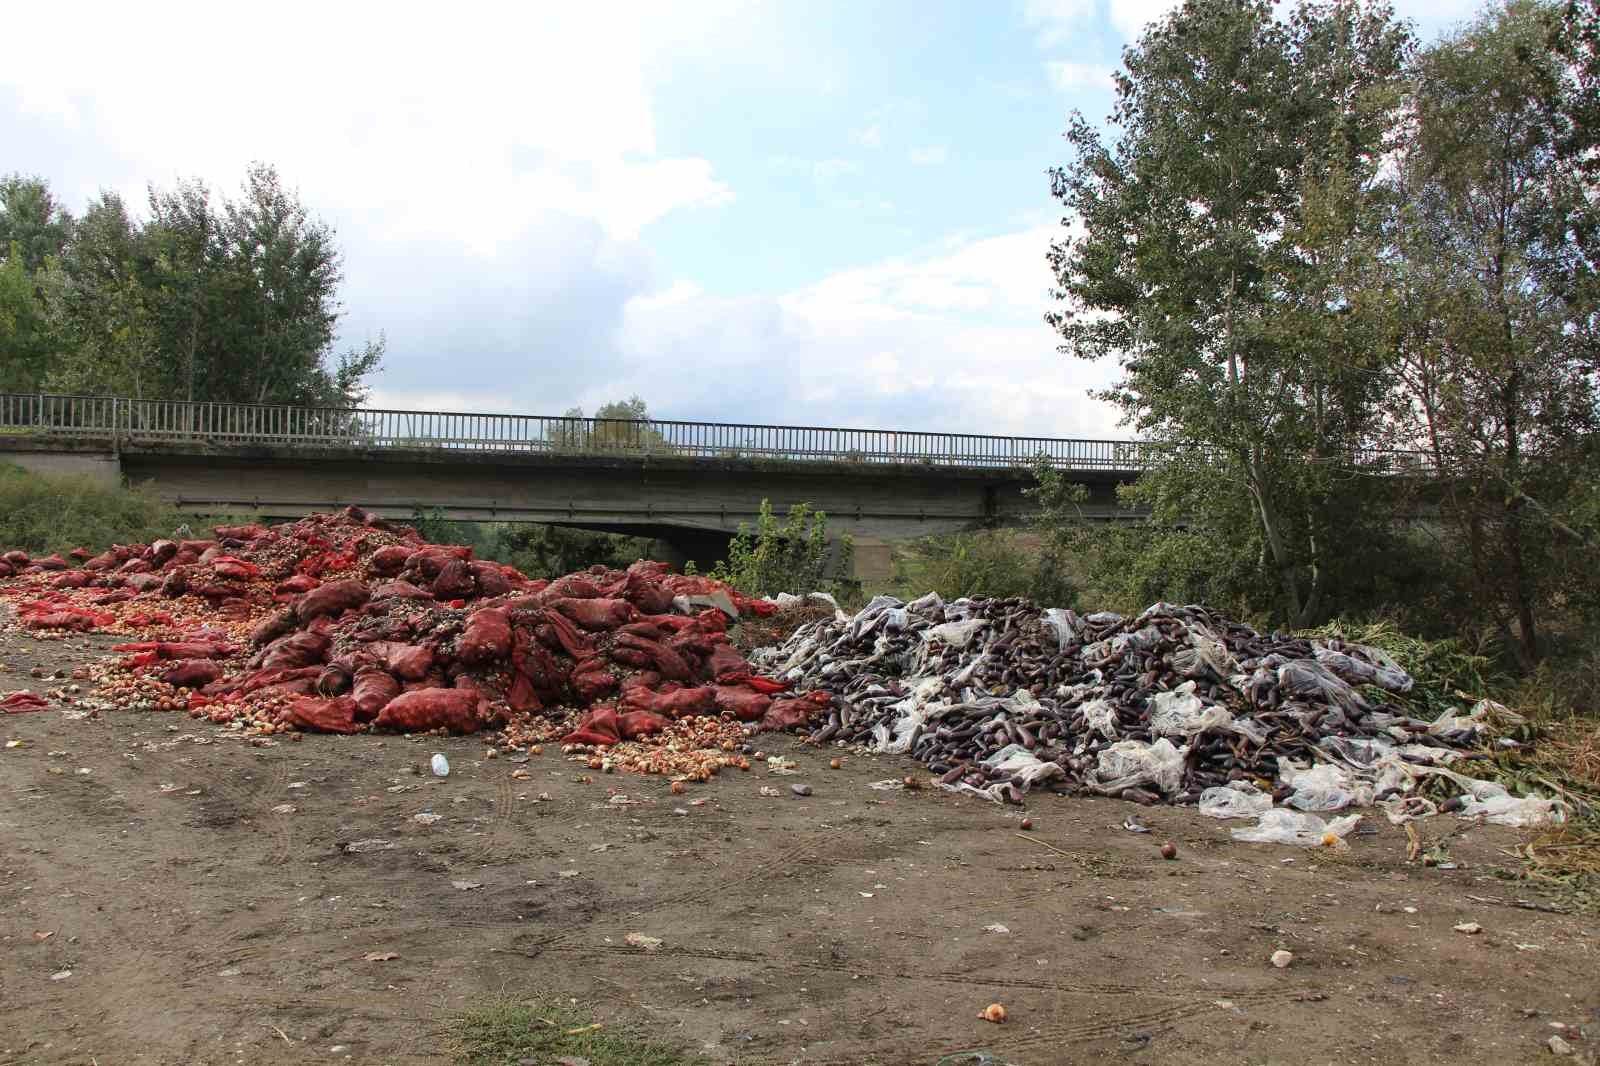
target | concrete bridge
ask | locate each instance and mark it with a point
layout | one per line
(689, 484)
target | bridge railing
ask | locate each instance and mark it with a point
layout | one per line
(134, 421)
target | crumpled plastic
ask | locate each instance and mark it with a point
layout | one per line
(1236, 800)
(1279, 826)
(1323, 787)
(1130, 763)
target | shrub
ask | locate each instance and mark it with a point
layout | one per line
(43, 514)
(991, 562)
(790, 555)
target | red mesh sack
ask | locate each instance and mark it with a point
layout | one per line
(637, 651)
(674, 703)
(192, 673)
(487, 637)
(373, 690)
(296, 585)
(596, 614)
(744, 704)
(644, 591)
(22, 703)
(786, 714)
(335, 715)
(639, 723)
(592, 681)
(573, 586)
(331, 599)
(390, 559)
(490, 578)
(71, 579)
(308, 648)
(431, 708)
(599, 726)
(455, 582)
(725, 659)
(399, 590)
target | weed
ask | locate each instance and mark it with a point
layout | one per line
(501, 1032)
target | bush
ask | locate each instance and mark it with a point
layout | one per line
(991, 562)
(44, 514)
(783, 556)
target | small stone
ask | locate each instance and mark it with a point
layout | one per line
(61, 975)
(1559, 1046)
(800, 790)
(1281, 959)
(1469, 928)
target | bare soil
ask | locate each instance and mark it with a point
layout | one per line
(202, 921)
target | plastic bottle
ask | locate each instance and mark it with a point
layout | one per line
(441, 765)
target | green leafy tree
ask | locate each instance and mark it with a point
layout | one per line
(1204, 257)
(1496, 307)
(618, 426)
(210, 298)
(33, 226)
(26, 339)
(782, 555)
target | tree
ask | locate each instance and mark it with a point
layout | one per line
(210, 298)
(1206, 255)
(33, 227)
(1498, 302)
(25, 338)
(613, 429)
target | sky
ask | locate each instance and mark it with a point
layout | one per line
(807, 213)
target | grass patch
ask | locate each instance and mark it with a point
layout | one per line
(502, 1032)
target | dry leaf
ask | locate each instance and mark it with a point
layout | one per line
(379, 956)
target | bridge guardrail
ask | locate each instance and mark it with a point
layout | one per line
(137, 421)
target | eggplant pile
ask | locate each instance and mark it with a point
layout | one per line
(998, 696)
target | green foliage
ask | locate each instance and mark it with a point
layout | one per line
(1490, 289)
(1207, 257)
(535, 549)
(504, 1032)
(1446, 671)
(620, 426)
(210, 298)
(993, 562)
(34, 228)
(39, 514)
(551, 551)
(790, 555)
(25, 339)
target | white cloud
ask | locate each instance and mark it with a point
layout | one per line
(951, 340)
(830, 169)
(871, 137)
(931, 156)
(820, 171)
(504, 114)
(1058, 20)
(1069, 76)
(1131, 16)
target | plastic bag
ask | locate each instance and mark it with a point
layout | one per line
(1064, 624)
(1304, 678)
(1519, 812)
(1229, 802)
(1180, 713)
(1129, 763)
(1324, 787)
(958, 634)
(1100, 715)
(1279, 826)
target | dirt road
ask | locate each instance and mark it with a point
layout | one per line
(170, 893)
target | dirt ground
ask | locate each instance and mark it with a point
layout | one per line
(171, 893)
